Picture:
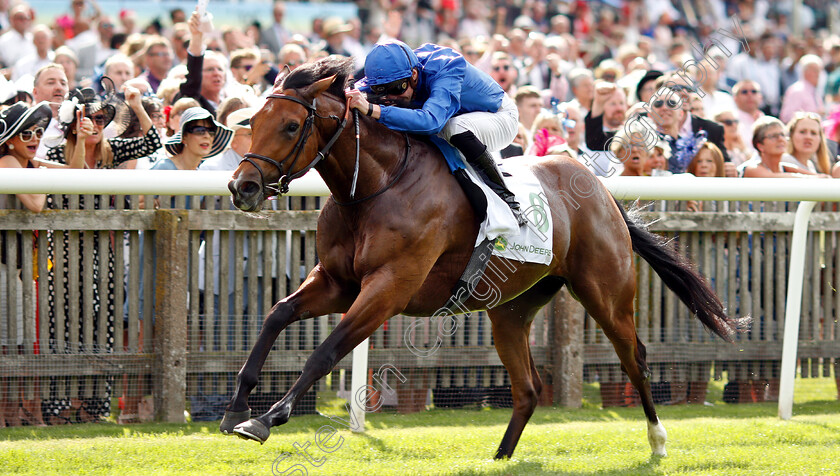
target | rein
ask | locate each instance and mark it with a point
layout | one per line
(282, 185)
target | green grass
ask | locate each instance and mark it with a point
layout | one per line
(717, 439)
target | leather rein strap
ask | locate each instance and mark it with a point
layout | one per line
(282, 185)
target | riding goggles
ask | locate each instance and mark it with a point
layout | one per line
(394, 88)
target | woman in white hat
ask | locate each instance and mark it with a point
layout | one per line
(23, 128)
(199, 138)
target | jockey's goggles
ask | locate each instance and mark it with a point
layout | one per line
(394, 88)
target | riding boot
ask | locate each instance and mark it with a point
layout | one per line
(486, 168)
(477, 155)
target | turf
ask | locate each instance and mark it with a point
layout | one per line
(712, 439)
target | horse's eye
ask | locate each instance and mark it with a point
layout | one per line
(293, 127)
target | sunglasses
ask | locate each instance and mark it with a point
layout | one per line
(678, 88)
(27, 135)
(98, 120)
(394, 88)
(749, 91)
(246, 67)
(501, 68)
(671, 103)
(200, 130)
(776, 135)
(160, 54)
(729, 122)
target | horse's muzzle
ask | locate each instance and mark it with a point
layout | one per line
(246, 194)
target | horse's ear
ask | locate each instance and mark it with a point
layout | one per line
(320, 86)
(282, 75)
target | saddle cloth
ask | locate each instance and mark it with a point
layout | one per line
(531, 243)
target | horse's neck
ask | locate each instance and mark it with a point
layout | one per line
(381, 155)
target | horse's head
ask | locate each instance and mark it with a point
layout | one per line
(286, 138)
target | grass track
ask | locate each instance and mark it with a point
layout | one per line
(703, 440)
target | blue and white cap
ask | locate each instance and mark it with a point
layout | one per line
(388, 62)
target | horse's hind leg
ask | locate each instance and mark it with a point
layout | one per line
(612, 307)
(511, 327)
(318, 295)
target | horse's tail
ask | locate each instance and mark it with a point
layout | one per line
(679, 275)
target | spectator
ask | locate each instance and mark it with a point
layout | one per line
(707, 162)
(17, 42)
(276, 36)
(546, 132)
(50, 85)
(607, 116)
(803, 94)
(807, 148)
(87, 140)
(732, 140)
(42, 37)
(199, 137)
(504, 72)
(763, 68)
(647, 86)
(23, 128)
(683, 130)
(206, 71)
(529, 103)
(291, 55)
(748, 100)
(770, 139)
(657, 163)
(714, 99)
(120, 69)
(334, 30)
(173, 117)
(582, 85)
(65, 57)
(157, 59)
(241, 63)
(629, 147)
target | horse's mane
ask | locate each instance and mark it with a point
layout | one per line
(308, 73)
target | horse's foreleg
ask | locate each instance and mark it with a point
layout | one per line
(375, 305)
(318, 295)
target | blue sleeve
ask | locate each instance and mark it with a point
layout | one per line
(165, 164)
(444, 102)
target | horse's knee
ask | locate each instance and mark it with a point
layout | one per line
(525, 400)
(278, 318)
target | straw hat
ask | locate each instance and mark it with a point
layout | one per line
(335, 25)
(241, 118)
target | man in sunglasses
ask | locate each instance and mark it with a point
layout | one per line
(434, 91)
(671, 111)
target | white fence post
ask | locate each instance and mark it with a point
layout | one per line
(358, 382)
(793, 308)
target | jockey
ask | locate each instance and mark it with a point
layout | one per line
(433, 90)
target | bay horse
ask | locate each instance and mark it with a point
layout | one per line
(400, 246)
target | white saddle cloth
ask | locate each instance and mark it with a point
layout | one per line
(531, 243)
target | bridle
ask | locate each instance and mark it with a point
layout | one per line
(282, 185)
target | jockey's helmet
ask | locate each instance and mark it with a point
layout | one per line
(388, 67)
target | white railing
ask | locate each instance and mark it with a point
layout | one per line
(806, 191)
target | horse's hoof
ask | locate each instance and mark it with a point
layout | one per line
(231, 419)
(253, 430)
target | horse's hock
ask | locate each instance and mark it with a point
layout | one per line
(201, 280)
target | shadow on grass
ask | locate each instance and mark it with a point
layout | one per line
(475, 417)
(649, 467)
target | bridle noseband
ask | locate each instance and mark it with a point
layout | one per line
(282, 185)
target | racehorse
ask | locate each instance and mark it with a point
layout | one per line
(399, 244)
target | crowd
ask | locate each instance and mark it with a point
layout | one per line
(644, 87)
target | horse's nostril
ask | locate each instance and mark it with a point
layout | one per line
(249, 188)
